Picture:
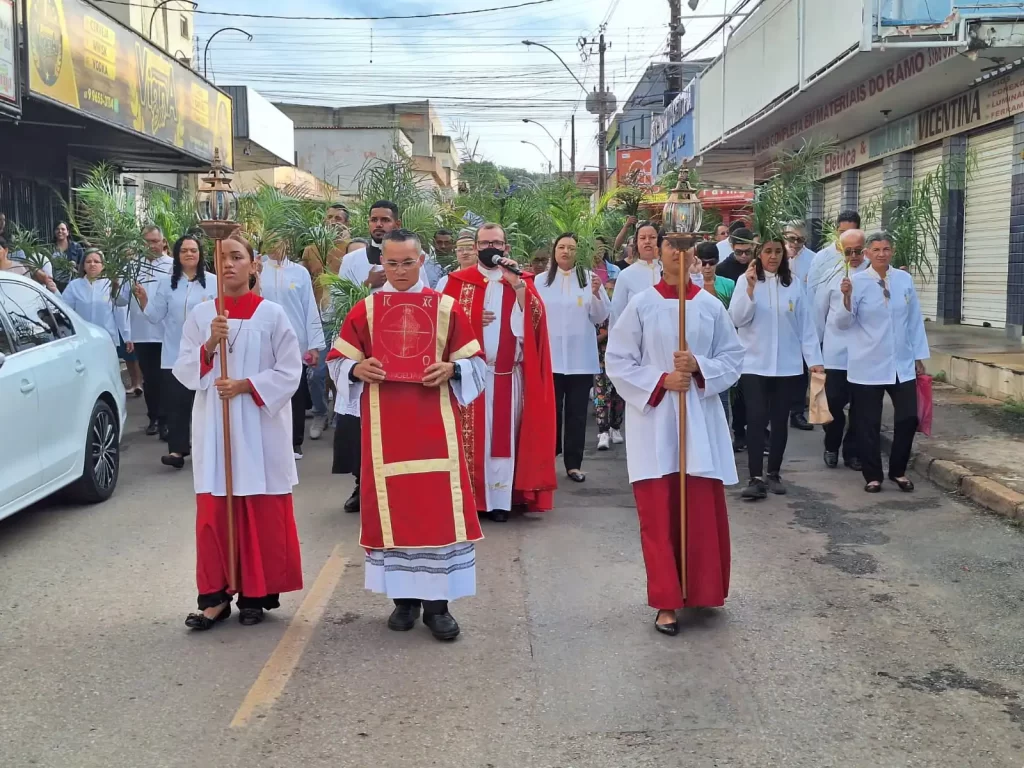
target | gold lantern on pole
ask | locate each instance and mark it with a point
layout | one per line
(683, 211)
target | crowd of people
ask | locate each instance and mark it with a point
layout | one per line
(518, 357)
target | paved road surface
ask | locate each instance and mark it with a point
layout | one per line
(861, 631)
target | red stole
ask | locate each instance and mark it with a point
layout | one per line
(241, 307)
(672, 291)
(534, 480)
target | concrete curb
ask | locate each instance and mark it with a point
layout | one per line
(983, 491)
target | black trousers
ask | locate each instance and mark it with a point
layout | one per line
(769, 400)
(430, 607)
(347, 447)
(301, 401)
(572, 396)
(799, 404)
(867, 404)
(177, 408)
(148, 354)
(739, 413)
(267, 602)
(837, 392)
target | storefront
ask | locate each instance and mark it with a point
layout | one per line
(672, 134)
(95, 91)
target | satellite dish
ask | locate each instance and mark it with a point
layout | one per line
(601, 102)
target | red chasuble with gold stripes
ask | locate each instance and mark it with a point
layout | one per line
(415, 486)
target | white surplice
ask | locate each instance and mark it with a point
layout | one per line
(266, 352)
(634, 279)
(150, 273)
(289, 284)
(93, 301)
(428, 573)
(356, 267)
(573, 312)
(169, 307)
(640, 351)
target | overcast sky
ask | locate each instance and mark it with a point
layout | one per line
(475, 69)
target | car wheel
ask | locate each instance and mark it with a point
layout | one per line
(102, 457)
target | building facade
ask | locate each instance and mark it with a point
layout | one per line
(908, 92)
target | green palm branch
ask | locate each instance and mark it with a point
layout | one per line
(344, 294)
(786, 195)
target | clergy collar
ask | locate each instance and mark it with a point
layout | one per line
(490, 272)
(418, 288)
(672, 291)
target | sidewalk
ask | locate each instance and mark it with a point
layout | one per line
(980, 360)
(976, 448)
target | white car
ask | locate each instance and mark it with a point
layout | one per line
(62, 403)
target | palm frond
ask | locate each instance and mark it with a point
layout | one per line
(344, 294)
(786, 195)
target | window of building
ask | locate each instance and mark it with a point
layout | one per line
(184, 28)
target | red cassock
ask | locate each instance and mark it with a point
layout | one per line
(534, 480)
(415, 489)
(269, 560)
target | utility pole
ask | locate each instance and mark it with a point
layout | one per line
(675, 53)
(560, 155)
(572, 148)
(602, 117)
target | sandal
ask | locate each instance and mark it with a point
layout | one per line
(249, 617)
(201, 622)
(873, 487)
(576, 475)
(906, 485)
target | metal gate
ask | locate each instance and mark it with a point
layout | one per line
(869, 197)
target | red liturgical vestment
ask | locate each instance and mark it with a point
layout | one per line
(415, 490)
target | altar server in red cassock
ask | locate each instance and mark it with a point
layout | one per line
(411, 374)
(510, 432)
(264, 365)
(644, 364)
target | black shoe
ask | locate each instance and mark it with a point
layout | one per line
(905, 485)
(775, 484)
(250, 617)
(873, 487)
(403, 618)
(498, 515)
(352, 502)
(200, 622)
(173, 461)
(442, 626)
(739, 444)
(799, 421)
(671, 628)
(831, 459)
(153, 428)
(755, 490)
(164, 433)
(854, 464)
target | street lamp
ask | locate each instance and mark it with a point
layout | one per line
(528, 43)
(558, 142)
(206, 48)
(572, 118)
(546, 159)
(683, 211)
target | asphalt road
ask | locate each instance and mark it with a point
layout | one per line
(861, 630)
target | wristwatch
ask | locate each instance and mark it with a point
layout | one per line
(457, 373)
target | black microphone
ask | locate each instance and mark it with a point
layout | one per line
(490, 260)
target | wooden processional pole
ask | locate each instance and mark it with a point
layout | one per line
(229, 481)
(683, 286)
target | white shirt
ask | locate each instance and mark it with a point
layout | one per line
(724, 249)
(827, 263)
(150, 273)
(92, 300)
(493, 299)
(634, 279)
(800, 265)
(168, 309)
(886, 336)
(356, 267)
(827, 305)
(266, 352)
(441, 284)
(775, 327)
(573, 312)
(640, 352)
(289, 284)
(432, 270)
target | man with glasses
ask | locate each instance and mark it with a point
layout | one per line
(465, 255)
(418, 521)
(725, 242)
(828, 260)
(510, 432)
(887, 344)
(734, 265)
(149, 336)
(827, 310)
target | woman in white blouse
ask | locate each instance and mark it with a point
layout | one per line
(93, 297)
(175, 297)
(575, 302)
(775, 323)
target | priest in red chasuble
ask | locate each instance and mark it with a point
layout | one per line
(644, 363)
(510, 432)
(264, 366)
(411, 357)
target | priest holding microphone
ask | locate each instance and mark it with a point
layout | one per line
(649, 371)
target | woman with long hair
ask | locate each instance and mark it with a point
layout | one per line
(175, 297)
(575, 302)
(65, 248)
(93, 297)
(774, 319)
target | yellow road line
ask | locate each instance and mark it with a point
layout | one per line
(282, 662)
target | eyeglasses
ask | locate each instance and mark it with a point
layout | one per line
(885, 291)
(407, 264)
(854, 251)
(796, 240)
(708, 262)
(491, 243)
(743, 251)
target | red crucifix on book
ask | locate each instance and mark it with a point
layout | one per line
(405, 334)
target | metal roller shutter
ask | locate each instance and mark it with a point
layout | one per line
(926, 281)
(833, 192)
(869, 197)
(987, 228)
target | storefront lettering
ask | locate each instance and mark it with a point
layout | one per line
(892, 137)
(951, 116)
(837, 162)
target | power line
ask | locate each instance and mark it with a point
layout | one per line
(437, 15)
